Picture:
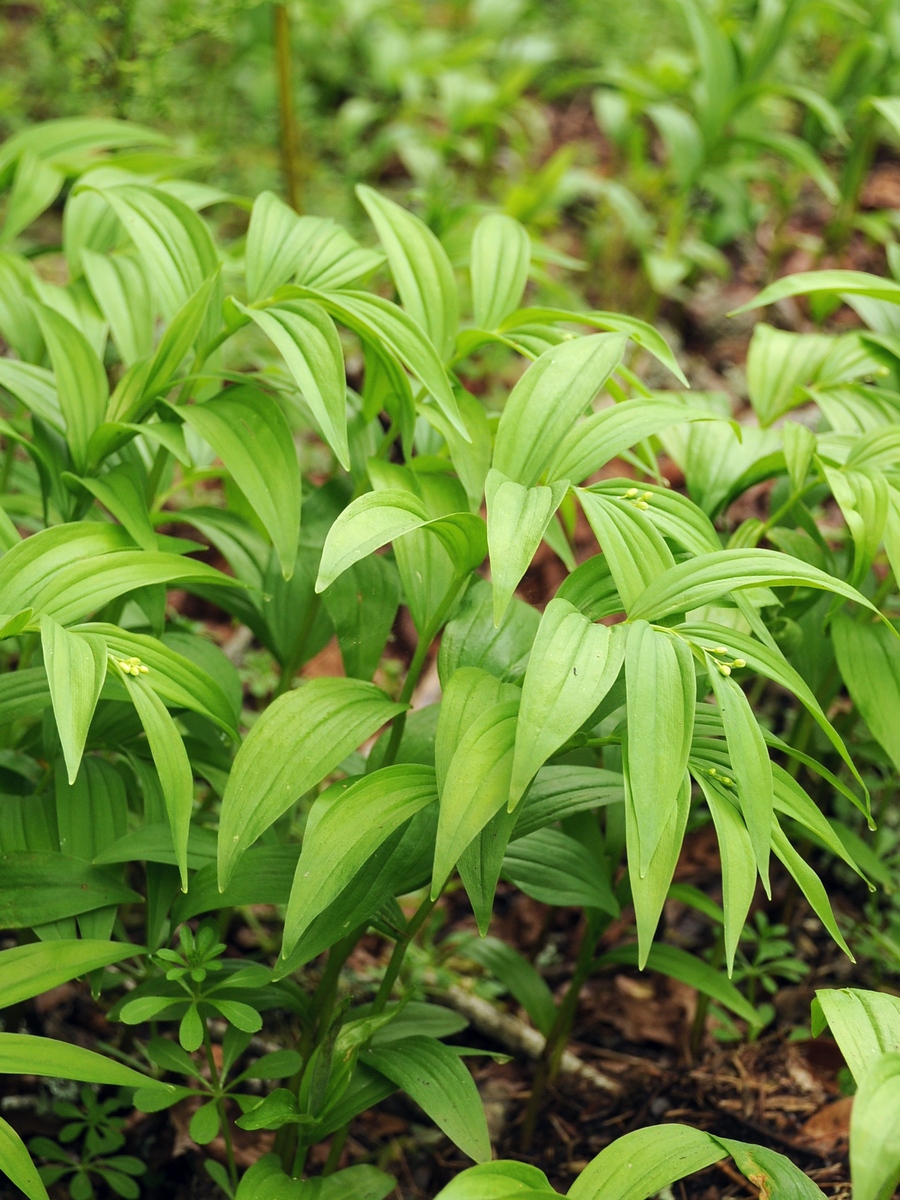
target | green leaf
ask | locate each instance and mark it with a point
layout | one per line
(809, 883)
(565, 791)
(708, 577)
(547, 401)
(276, 240)
(419, 265)
(468, 694)
(308, 341)
(433, 1075)
(373, 520)
(499, 1181)
(175, 244)
(35, 388)
(171, 761)
(554, 868)
(501, 256)
(296, 742)
(29, 970)
(362, 603)
(865, 1024)
(24, 1054)
(76, 668)
(869, 663)
(476, 785)
(517, 975)
(250, 434)
(181, 333)
(384, 325)
(687, 968)
(119, 285)
(343, 831)
(592, 443)
(642, 1163)
(16, 1164)
(573, 665)
(471, 639)
(80, 380)
(362, 1182)
(40, 887)
(517, 519)
(771, 1172)
(749, 760)
(844, 283)
(36, 185)
(661, 691)
(636, 551)
(738, 866)
(874, 1132)
(649, 888)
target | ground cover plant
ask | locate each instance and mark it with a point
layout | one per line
(362, 449)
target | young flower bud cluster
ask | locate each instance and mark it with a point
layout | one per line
(132, 666)
(638, 499)
(725, 780)
(726, 667)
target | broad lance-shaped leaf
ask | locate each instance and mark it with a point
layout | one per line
(517, 519)
(80, 380)
(499, 1181)
(29, 970)
(382, 324)
(373, 520)
(501, 256)
(250, 434)
(547, 401)
(708, 577)
(650, 888)
(294, 744)
(308, 341)
(170, 758)
(469, 693)
(76, 668)
(573, 665)
(661, 692)
(554, 868)
(119, 285)
(843, 283)
(600, 437)
(865, 1025)
(276, 238)
(869, 659)
(182, 332)
(640, 1164)
(738, 864)
(16, 1164)
(635, 549)
(24, 1054)
(420, 267)
(476, 786)
(435, 1077)
(344, 829)
(772, 663)
(874, 1133)
(749, 760)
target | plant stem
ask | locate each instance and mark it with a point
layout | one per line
(558, 1037)
(415, 667)
(220, 1104)
(290, 141)
(399, 953)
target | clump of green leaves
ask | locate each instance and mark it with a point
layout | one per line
(167, 399)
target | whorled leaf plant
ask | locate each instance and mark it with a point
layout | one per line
(133, 801)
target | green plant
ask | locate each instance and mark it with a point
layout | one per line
(101, 1131)
(726, 117)
(174, 386)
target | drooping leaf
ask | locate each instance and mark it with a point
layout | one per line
(36, 967)
(641, 1163)
(25, 1054)
(874, 1132)
(81, 382)
(517, 519)
(433, 1075)
(16, 1164)
(865, 1024)
(501, 256)
(76, 668)
(554, 868)
(37, 887)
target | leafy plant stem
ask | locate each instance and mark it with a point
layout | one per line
(220, 1103)
(399, 953)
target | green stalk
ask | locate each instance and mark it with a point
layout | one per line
(290, 139)
(220, 1104)
(399, 953)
